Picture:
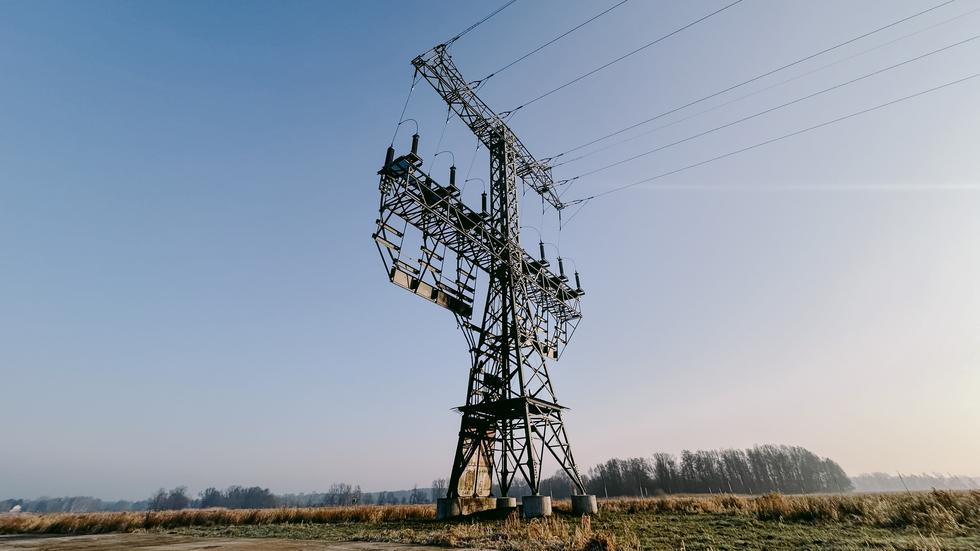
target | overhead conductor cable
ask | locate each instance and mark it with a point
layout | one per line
(776, 139)
(480, 22)
(550, 42)
(771, 109)
(624, 56)
(767, 88)
(753, 79)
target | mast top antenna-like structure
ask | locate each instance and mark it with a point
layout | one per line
(437, 67)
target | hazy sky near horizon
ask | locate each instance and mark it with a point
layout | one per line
(189, 293)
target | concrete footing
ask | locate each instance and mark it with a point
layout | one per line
(449, 507)
(506, 503)
(536, 506)
(584, 505)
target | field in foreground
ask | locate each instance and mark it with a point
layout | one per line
(172, 542)
(937, 520)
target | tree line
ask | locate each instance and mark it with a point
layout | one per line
(72, 504)
(233, 497)
(255, 497)
(884, 482)
(757, 470)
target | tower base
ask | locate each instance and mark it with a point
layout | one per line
(584, 505)
(506, 503)
(450, 507)
(536, 506)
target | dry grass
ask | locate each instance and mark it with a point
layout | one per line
(932, 511)
(912, 519)
(100, 523)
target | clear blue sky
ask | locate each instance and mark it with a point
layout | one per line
(189, 293)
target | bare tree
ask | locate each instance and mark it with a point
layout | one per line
(439, 487)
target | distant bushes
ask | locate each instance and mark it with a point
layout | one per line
(164, 500)
(883, 482)
(237, 497)
(234, 497)
(77, 504)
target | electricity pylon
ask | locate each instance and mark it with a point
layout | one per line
(511, 415)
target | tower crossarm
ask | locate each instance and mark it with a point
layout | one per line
(437, 67)
(439, 212)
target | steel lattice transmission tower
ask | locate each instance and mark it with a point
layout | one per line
(511, 415)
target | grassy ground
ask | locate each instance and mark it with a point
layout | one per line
(920, 521)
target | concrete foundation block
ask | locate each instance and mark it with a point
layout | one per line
(584, 505)
(536, 506)
(448, 507)
(475, 504)
(506, 503)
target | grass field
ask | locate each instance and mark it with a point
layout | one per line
(937, 520)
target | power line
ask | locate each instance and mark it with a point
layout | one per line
(550, 42)
(401, 118)
(776, 139)
(624, 56)
(753, 79)
(470, 169)
(767, 88)
(480, 22)
(811, 187)
(771, 109)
